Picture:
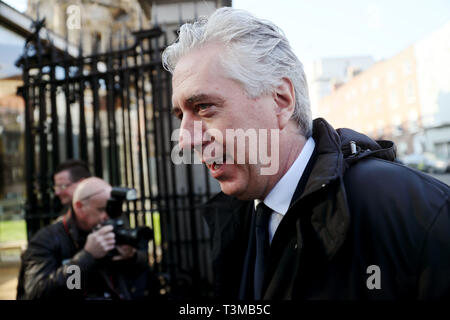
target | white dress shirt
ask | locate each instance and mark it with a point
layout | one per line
(279, 198)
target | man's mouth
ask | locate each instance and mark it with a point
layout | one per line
(215, 165)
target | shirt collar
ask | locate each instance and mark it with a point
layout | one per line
(279, 198)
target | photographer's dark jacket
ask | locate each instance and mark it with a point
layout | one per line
(46, 273)
(354, 219)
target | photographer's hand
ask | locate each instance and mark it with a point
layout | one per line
(125, 252)
(99, 242)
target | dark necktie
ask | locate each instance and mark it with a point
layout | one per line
(262, 246)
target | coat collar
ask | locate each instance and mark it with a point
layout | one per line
(331, 217)
(330, 220)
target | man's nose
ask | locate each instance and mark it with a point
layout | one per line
(191, 133)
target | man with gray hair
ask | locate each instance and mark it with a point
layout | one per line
(339, 219)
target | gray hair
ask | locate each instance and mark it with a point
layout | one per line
(258, 55)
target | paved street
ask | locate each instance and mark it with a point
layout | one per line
(8, 280)
(9, 268)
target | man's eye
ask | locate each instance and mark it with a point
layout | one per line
(203, 106)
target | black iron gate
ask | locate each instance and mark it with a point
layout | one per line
(112, 109)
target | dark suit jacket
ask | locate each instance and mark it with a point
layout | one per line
(363, 227)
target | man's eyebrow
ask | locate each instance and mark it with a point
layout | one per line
(203, 97)
(197, 98)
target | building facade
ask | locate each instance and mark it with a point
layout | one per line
(108, 22)
(327, 74)
(404, 98)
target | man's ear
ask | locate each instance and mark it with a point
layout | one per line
(284, 97)
(78, 206)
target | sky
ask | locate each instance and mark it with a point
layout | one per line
(332, 28)
(20, 5)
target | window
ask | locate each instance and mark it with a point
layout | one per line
(393, 99)
(365, 88)
(413, 125)
(375, 83)
(410, 95)
(407, 69)
(397, 125)
(355, 111)
(378, 104)
(390, 77)
(347, 96)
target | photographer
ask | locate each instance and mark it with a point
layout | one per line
(72, 258)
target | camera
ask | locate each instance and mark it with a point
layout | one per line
(124, 235)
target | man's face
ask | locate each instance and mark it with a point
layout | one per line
(92, 211)
(64, 187)
(201, 92)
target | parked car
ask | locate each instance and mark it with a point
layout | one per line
(427, 162)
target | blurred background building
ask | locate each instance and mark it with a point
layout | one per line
(405, 98)
(107, 20)
(328, 74)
